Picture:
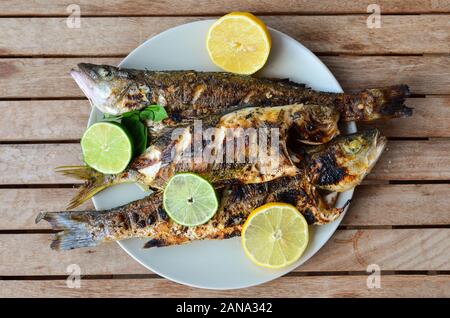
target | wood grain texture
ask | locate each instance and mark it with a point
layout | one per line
(49, 77)
(66, 120)
(43, 120)
(431, 116)
(415, 34)
(414, 160)
(372, 205)
(402, 160)
(35, 163)
(423, 74)
(347, 250)
(19, 207)
(308, 286)
(198, 7)
(415, 204)
(28, 78)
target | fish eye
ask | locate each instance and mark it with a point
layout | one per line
(352, 146)
(105, 73)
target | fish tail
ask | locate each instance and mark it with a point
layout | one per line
(325, 216)
(94, 182)
(73, 227)
(376, 103)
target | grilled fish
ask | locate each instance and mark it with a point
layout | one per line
(146, 218)
(187, 94)
(258, 152)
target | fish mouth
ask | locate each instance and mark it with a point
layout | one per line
(378, 146)
(86, 80)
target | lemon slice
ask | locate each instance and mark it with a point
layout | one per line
(107, 147)
(239, 43)
(275, 235)
(189, 199)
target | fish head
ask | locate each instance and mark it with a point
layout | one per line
(110, 89)
(317, 124)
(343, 163)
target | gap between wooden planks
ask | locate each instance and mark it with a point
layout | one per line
(413, 34)
(55, 120)
(373, 205)
(202, 7)
(347, 250)
(402, 160)
(49, 77)
(308, 286)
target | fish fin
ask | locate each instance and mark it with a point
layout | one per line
(95, 182)
(376, 103)
(391, 101)
(73, 227)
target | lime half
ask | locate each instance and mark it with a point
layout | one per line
(107, 147)
(189, 199)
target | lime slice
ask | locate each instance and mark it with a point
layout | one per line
(189, 199)
(275, 235)
(107, 147)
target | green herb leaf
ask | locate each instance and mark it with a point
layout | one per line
(138, 132)
(153, 112)
(134, 122)
(147, 115)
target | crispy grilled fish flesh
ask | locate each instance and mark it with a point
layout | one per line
(146, 218)
(258, 152)
(187, 94)
(344, 163)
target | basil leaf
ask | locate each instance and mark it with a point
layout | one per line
(154, 112)
(138, 132)
(147, 114)
(109, 117)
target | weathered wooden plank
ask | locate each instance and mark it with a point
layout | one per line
(423, 74)
(347, 250)
(19, 207)
(49, 77)
(418, 204)
(323, 34)
(33, 253)
(430, 118)
(402, 160)
(66, 119)
(40, 120)
(372, 205)
(35, 163)
(192, 7)
(23, 78)
(413, 160)
(307, 286)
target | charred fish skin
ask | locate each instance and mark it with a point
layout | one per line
(251, 162)
(146, 218)
(345, 161)
(187, 94)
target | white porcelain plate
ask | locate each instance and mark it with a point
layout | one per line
(216, 264)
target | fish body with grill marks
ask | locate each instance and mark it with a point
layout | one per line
(353, 155)
(188, 94)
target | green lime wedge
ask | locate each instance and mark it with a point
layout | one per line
(189, 199)
(107, 147)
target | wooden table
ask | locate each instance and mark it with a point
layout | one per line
(399, 219)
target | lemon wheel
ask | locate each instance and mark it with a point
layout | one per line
(239, 43)
(275, 235)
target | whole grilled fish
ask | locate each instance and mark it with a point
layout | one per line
(188, 94)
(146, 218)
(258, 152)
